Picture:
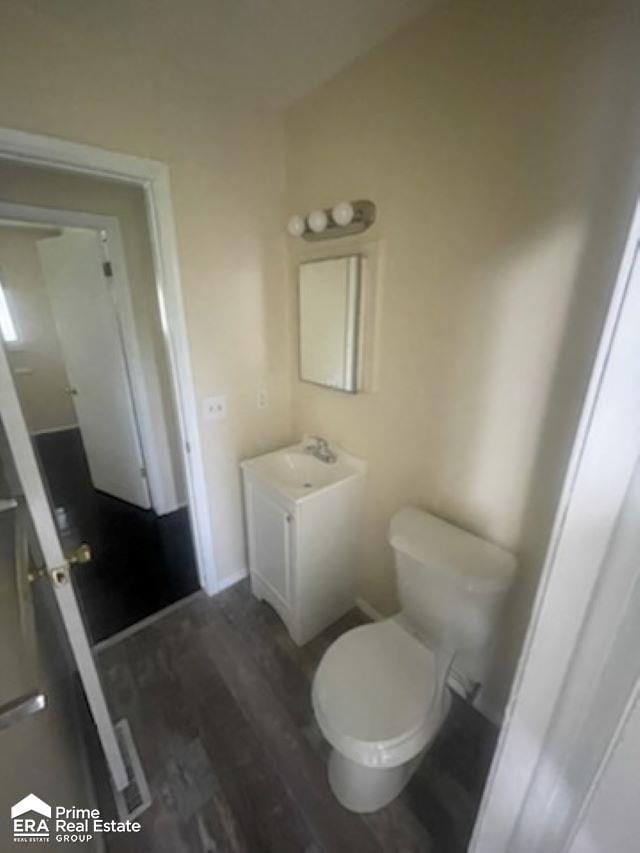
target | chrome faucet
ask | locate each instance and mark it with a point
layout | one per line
(319, 447)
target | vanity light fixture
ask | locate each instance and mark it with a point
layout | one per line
(318, 221)
(341, 220)
(342, 213)
(296, 226)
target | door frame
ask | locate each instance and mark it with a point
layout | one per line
(155, 445)
(152, 177)
(540, 736)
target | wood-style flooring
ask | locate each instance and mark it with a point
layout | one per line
(218, 699)
(141, 562)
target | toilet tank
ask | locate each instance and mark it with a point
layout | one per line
(451, 584)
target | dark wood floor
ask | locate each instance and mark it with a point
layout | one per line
(141, 562)
(218, 699)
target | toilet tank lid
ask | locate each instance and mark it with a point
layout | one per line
(472, 562)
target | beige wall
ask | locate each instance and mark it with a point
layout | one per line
(498, 144)
(226, 169)
(42, 390)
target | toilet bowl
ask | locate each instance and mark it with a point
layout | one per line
(379, 694)
(374, 697)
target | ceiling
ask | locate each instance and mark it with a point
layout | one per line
(265, 52)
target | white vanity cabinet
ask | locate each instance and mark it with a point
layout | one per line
(271, 529)
(302, 518)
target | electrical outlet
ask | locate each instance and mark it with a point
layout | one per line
(214, 408)
(262, 398)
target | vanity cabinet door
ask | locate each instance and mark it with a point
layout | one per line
(270, 533)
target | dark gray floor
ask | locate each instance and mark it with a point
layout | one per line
(218, 699)
(141, 562)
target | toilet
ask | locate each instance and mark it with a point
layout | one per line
(380, 694)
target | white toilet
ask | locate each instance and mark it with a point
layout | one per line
(380, 693)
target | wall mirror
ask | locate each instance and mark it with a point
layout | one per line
(329, 302)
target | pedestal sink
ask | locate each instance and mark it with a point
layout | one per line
(302, 519)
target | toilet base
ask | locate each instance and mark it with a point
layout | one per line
(366, 789)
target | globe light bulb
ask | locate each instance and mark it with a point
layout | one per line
(296, 226)
(342, 213)
(318, 221)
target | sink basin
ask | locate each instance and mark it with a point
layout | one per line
(297, 474)
(300, 470)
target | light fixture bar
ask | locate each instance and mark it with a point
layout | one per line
(364, 215)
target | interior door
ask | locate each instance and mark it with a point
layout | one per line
(56, 566)
(90, 337)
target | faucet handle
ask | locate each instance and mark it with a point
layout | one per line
(321, 449)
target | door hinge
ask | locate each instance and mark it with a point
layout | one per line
(143, 471)
(107, 269)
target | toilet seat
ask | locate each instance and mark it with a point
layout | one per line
(372, 695)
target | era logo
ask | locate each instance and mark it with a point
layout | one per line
(30, 819)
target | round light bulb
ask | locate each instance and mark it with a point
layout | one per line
(342, 213)
(296, 226)
(318, 221)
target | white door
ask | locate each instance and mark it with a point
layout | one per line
(91, 341)
(57, 567)
(570, 718)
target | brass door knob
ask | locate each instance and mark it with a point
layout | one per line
(81, 555)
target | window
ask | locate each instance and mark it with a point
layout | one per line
(7, 326)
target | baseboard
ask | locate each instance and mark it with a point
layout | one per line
(230, 580)
(369, 610)
(489, 710)
(457, 681)
(167, 509)
(54, 429)
(101, 645)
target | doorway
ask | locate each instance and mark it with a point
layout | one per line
(104, 436)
